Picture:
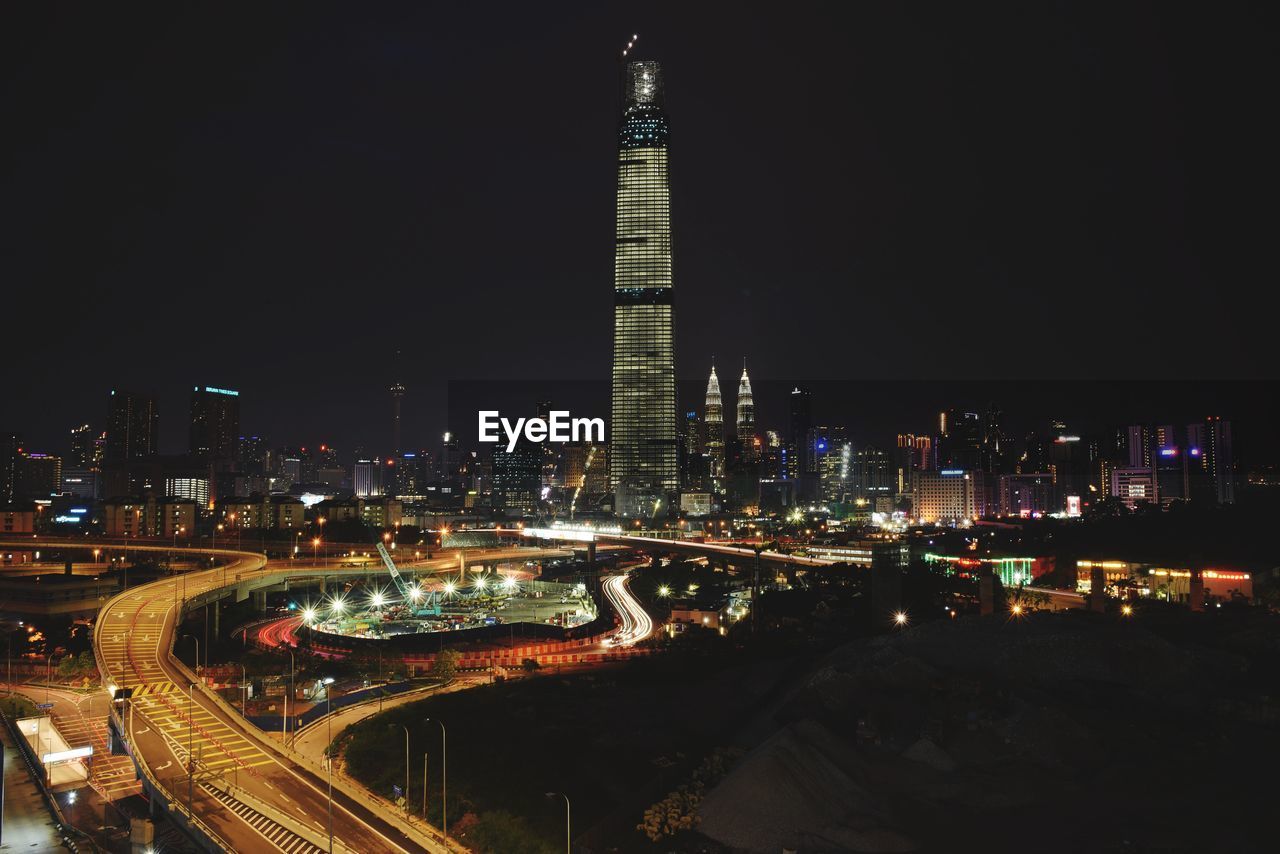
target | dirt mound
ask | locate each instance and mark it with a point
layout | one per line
(987, 731)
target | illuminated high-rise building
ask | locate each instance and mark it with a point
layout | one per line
(746, 410)
(713, 425)
(644, 471)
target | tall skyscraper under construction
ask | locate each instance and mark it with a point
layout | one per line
(644, 470)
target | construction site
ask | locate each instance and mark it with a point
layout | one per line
(404, 604)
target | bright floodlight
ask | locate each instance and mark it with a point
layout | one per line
(664, 590)
(309, 615)
(1126, 610)
(449, 587)
(480, 583)
(377, 599)
(1017, 610)
(509, 583)
(415, 592)
(900, 618)
(336, 606)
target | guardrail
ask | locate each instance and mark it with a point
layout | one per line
(169, 800)
(384, 809)
(284, 819)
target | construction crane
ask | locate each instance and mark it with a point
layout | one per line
(422, 603)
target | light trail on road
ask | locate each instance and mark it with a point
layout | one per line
(636, 622)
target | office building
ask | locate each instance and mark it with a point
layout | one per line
(36, 476)
(1134, 486)
(87, 447)
(82, 483)
(946, 496)
(960, 440)
(799, 454)
(1027, 495)
(366, 477)
(10, 449)
(642, 454)
(517, 477)
(872, 479)
(215, 424)
(132, 428)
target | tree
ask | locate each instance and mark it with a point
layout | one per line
(446, 664)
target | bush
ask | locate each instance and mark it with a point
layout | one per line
(500, 831)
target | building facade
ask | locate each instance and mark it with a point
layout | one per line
(945, 496)
(644, 471)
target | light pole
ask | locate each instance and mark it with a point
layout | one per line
(191, 756)
(321, 520)
(568, 834)
(444, 777)
(328, 724)
(292, 697)
(244, 693)
(48, 676)
(216, 529)
(424, 786)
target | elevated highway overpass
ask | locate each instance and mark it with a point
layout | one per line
(736, 556)
(217, 775)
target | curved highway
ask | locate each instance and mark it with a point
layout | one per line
(636, 622)
(194, 747)
(238, 787)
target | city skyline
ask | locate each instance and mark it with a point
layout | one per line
(349, 481)
(318, 225)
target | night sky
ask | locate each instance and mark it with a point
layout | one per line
(862, 192)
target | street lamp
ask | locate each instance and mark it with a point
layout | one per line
(900, 618)
(444, 778)
(568, 835)
(244, 693)
(328, 725)
(191, 757)
(292, 698)
(48, 676)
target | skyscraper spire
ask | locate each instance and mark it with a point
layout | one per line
(746, 407)
(713, 420)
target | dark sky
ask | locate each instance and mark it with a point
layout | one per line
(276, 201)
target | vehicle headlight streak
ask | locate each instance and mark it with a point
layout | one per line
(636, 622)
